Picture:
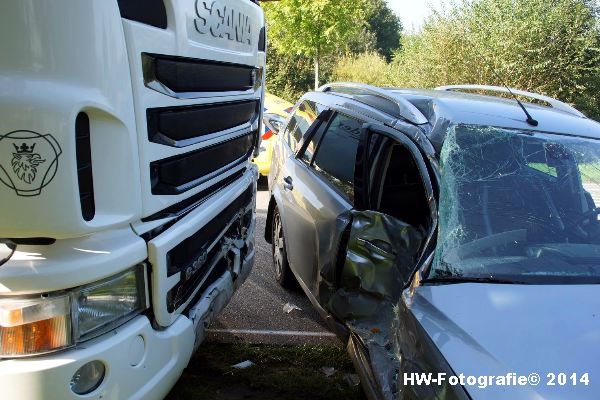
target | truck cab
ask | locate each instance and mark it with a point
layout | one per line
(126, 188)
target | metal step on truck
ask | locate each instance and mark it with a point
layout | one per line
(127, 196)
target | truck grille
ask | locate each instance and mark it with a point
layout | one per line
(178, 210)
(150, 12)
(199, 254)
(234, 122)
(183, 126)
(178, 174)
(198, 101)
(184, 77)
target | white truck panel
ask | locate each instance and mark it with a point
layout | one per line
(183, 207)
(71, 262)
(64, 57)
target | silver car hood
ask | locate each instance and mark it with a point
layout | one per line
(485, 329)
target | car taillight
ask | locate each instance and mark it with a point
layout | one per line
(267, 135)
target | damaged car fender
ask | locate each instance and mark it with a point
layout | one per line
(417, 354)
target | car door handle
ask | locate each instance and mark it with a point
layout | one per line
(378, 246)
(288, 183)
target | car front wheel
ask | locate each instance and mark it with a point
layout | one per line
(283, 273)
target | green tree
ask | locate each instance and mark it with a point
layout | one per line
(387, 29)
(314, 28)
(289, 76)
(369, 67)
(549, 47)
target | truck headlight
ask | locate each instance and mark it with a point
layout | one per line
(102, 305)
(40, 324)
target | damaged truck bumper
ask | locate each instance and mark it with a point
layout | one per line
(194, 266)
(151, 360)
(192, 255)
(215, 299)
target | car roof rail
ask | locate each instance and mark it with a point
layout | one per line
(554, 103)
(405, 109)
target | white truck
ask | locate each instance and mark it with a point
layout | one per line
(127, 196)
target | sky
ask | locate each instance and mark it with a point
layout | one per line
(413, 12)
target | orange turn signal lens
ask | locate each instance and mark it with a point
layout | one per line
(34, 326)
(38, 324)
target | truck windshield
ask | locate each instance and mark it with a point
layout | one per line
(518, 207)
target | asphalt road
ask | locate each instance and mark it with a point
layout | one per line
(255, 313)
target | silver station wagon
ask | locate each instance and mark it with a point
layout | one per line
(450, 237)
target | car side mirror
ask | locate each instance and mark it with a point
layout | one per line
(274, 122)
(277, 126)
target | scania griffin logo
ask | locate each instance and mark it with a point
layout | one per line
(28, 161)
(223, 21)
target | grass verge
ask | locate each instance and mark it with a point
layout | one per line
(280, 372)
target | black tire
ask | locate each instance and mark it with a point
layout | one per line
(283, 274)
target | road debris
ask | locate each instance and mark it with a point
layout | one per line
(243, 365)
(289, 307)
(328, 371)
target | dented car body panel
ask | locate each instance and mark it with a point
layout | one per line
(423, 248)
(514, 331)
(379, 248)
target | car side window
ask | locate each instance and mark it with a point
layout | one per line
(303, 118)
(335, 157)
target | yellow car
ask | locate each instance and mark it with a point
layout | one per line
(276, 112)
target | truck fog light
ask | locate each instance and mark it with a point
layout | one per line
(88, 378)
(34, 325)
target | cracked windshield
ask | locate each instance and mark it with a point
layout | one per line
(519, 206)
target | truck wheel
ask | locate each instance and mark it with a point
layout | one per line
(283, 273)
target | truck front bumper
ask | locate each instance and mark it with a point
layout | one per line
(141, 363)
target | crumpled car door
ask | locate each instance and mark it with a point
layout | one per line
(382, 253)
(379, 248)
